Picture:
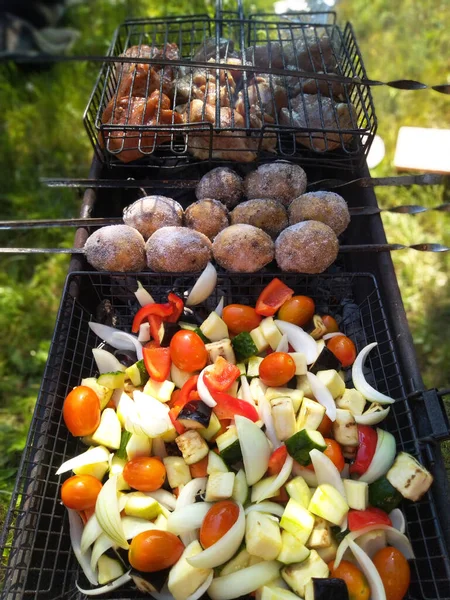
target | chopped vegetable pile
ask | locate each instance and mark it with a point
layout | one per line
(229, 458)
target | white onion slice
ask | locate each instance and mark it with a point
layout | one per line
(204, 286)
(163, 497)
(377, 591)
(244, 582)
(299, 340)
(108, 513)
(223, 549)
(106, 362)
(265, 412)
(91, 532)
(117, 338)
(190, 490)
(398, 520)
(280, 480)
(142, 296)
(203, 391)
(76, 530)
(266, 507)
(153, 416)
(328, 336)
(184, 520)
(360, 383)
(246, 393)
(159, 448)
(383, 458)
(101, 545)
(309, 476)
(323, 395)
(283, 345)
(219, 307)
(164, 594)
(109, 587)
(189, 537)
(326, 471)
(144, 333)
(372, 418)
(255, 449)
(202, 589)
(90, 457)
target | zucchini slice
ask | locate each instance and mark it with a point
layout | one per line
(301, 443)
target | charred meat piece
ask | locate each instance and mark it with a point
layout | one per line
(200, 83)
(265, 98)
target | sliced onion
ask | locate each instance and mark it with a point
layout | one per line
(202, 589)
(142, 296)
(246, 393)
(243, 582)
(323, 395)
(76, 530)
(280, 480)
(203, 391)
(190, 491)
(91, 532)
(117, 338)
(299, 340)
(223, 549)
(255, 449)
(184, 520)
(377, 591)
(266, 507)
(328, 336)
(153, 415)
(165, 498)
(90, 457)
(326, 471)
(144, 333)
(109, 587)
(265, 412)
(309, 476)
(283, 345)
(398, 520)
(164, 594)
(204, 286)
(108, 513)
(372, 418)
(219, 307)
(101, 545)
(382, 459)
(106, 362)
(189, 537)
(360, 383)
(159, 448)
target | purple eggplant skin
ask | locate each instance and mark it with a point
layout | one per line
(325, 361)
(328, 589)
(195, 415)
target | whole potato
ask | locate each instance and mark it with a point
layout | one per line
(243, 248)
(221, 184)
(116, 248)
(177, 249)
(279, 180)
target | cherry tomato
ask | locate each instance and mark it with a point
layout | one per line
(277, 460)
(277, 369)
(343, 348)
(80, 492)
(325, 426)
(144, 473)
(81, 411)
(154, 550)
(239, 318)
(298, 310)
(394, 572)
(188, 351)
(356, 582)
(334, 453)
(219, 519)
(330, 323)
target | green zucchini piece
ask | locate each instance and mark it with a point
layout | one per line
(229, 447)
(382, 494)
(301, 443)
(113, 381)
(244, 346)
(212, 429)
(137, 373)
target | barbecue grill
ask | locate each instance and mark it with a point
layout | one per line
(360, 289)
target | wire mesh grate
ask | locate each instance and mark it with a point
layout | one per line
(250, 109)
(35, 539)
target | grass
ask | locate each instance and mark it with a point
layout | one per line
(41, 135)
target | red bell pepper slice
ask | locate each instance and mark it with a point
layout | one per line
(178, 307)
(161, 310)
(157, 361)
(185, 392)
(221, 375)
(367, 437)
(228, 407)
(277, 460)
(358, 519)
(272, 297)
(173, 414)
(155, 325)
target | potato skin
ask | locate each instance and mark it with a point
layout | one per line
(116, 248)
(177, 250)
(280, 180)
(151, 213)
(221, 184)
(265, 213)
(328, 207)
(243, 248)
(207, 216)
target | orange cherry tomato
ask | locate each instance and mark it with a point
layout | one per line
(80, 492)
(277, 369)
(188, 351)
(325, 426)
(145, 473)
(219, 519)
(81, 411)
(394, 572)
(334, 453)
(356, 582)
(154, 550)
(298, 310)
(343, 348)
(330, 323)
(239, 318)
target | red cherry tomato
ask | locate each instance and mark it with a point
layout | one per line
(80, 492)
(343, 348)
(358, 519)
(219, 519)
(187, 351)
(394, 572)
(356, 582)
(144, 473)
(277, 369)
(81, 411)
(277, 460)
(239, 318)
(154, 550)
(298, 310)
(330, 323)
